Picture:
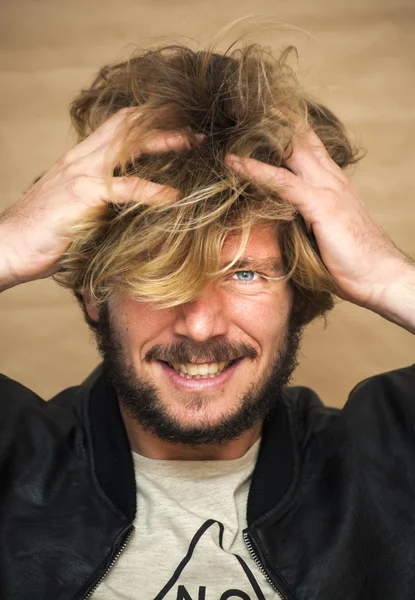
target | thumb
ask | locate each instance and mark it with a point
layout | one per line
(142, 191)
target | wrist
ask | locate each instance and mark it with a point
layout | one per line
(8, 276)
(7, 280)
(397, 302)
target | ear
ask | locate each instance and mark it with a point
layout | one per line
(91, 307)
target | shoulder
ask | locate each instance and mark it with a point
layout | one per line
(376, 426)
(380, 410)
(387, 399)
(393, 391)
(14, 395)
(26, 418)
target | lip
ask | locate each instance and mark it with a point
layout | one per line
(202, 384)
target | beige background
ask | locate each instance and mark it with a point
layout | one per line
(358, 56)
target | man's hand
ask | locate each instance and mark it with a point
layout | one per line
(34, 232)
(368, 268)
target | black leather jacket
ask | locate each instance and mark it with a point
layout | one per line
(331, 509)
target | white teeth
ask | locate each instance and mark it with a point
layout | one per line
(198, 371)
(192, 369)
(208, 376)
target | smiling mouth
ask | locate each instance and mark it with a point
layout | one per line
(201, 370)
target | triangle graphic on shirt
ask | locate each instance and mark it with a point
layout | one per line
(181, 585)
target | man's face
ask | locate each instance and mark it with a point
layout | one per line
(208, 370)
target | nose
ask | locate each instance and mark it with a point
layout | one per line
(204, 317)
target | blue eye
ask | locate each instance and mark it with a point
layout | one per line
(245, 276)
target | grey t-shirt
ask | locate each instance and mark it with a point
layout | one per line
(188, 542)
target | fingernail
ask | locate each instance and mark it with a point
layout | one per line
(232, 158)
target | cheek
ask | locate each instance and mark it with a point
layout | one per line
(139, 325)
(263, 317)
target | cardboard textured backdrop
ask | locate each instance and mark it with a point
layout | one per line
(358, 56)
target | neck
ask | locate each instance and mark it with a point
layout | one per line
(148, 445)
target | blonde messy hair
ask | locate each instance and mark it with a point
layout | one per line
(246, 101)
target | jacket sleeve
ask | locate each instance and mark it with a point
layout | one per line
(16, 401)
(379, 419)
(28, 423)
(393, 391)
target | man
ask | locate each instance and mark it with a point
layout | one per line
(202, 226)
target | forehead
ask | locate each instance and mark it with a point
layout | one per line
(262, 243)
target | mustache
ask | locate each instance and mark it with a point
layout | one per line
(187, 351)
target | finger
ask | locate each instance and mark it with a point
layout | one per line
(261, 172)
(166, 141)
(141, 191)
(289, 186)
(155, 143)
(311, 161)
(101, 136)
(305, 137)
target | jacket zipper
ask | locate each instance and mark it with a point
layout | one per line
(246, 540)
(260, 565)
(112, 563)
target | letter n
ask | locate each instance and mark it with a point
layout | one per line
(183, 594)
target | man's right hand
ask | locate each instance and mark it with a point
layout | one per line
(34, 233)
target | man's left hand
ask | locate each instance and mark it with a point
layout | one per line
(367, 266)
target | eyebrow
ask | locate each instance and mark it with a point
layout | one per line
(271, 264)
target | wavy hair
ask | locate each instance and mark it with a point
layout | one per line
(247, 101)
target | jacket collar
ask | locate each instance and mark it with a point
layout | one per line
(111, 449)
(273, 476)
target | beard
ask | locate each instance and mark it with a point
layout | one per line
(142, 401)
